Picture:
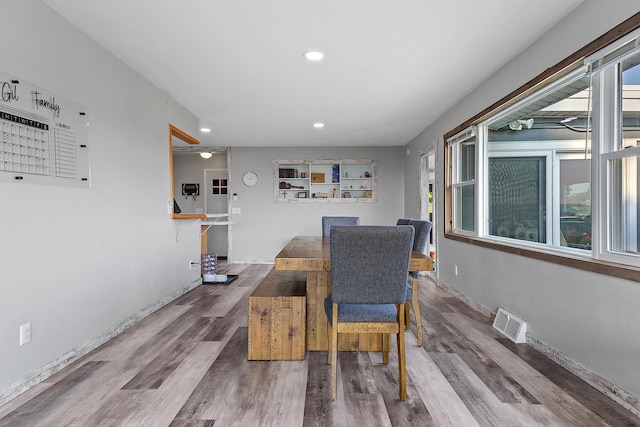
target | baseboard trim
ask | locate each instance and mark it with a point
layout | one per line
(615, 393)
(462, 297)
(21, 385)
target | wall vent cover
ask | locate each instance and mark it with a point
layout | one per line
(511, 326)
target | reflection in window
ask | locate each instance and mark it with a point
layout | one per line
(624, 201)
(539, 169)
(624, 180)
(575, 203)
(517, 200)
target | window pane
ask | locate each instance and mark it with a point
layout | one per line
(468, 160)
(464, 198)
(631, 102)
(624, 185)
(575, 203)
(517, 200)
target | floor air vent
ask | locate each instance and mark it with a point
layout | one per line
(511, 325)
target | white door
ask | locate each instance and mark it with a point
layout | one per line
(428, 188)
(216, 201)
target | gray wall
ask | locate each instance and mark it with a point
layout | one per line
(591, 318)
(264, 227)
(78, 262)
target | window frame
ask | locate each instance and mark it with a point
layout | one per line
(595, 261)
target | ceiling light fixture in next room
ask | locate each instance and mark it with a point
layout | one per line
(314, 55)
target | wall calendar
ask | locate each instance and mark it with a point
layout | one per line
(43, 136)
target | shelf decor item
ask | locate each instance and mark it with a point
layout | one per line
(325, 180)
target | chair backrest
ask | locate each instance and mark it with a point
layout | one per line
(330, 221)
(370, 264)
(421, 241)
(403, 221)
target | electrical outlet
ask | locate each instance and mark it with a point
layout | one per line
(25, 333)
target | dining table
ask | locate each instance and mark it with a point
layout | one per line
(312, 255)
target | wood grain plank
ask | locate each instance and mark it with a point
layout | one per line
(159, 407)
(610, 411)
(440, 398)
(53, 399)
(223, 328)
(481, 402)
(506, 389)
(217, 392)
(155, 373)
(562, 404)
(319, 410)
(411, 412)
(363, 402)
(132, 339)
(223, 305)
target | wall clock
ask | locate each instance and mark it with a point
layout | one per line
(250, 179)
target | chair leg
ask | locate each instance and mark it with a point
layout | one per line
(416, 309)
(334, 353)
(407, 316)
(330, 335)
(386, 343)
(402, 367)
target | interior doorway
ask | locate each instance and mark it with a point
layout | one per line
(217, 202)
(428, 197)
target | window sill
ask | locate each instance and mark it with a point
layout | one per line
(612, 269)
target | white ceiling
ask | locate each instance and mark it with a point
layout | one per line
(391, 67)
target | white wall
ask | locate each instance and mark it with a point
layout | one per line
(77, 262)
(263, 227)
(591, 318)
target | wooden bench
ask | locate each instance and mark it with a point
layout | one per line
(277, 317)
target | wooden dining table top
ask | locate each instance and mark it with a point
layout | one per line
(312, 253)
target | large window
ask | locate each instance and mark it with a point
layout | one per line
(619, 104)
(462, 147)
(524, 175)
(537, 173)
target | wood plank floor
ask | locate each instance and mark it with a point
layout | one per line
(186, 365)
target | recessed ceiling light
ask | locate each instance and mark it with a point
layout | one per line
(205, 130)
(318, 125)
(314, 55)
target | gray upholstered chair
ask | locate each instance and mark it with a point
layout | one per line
(420, 244)
(330, 221)
(369, 268)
